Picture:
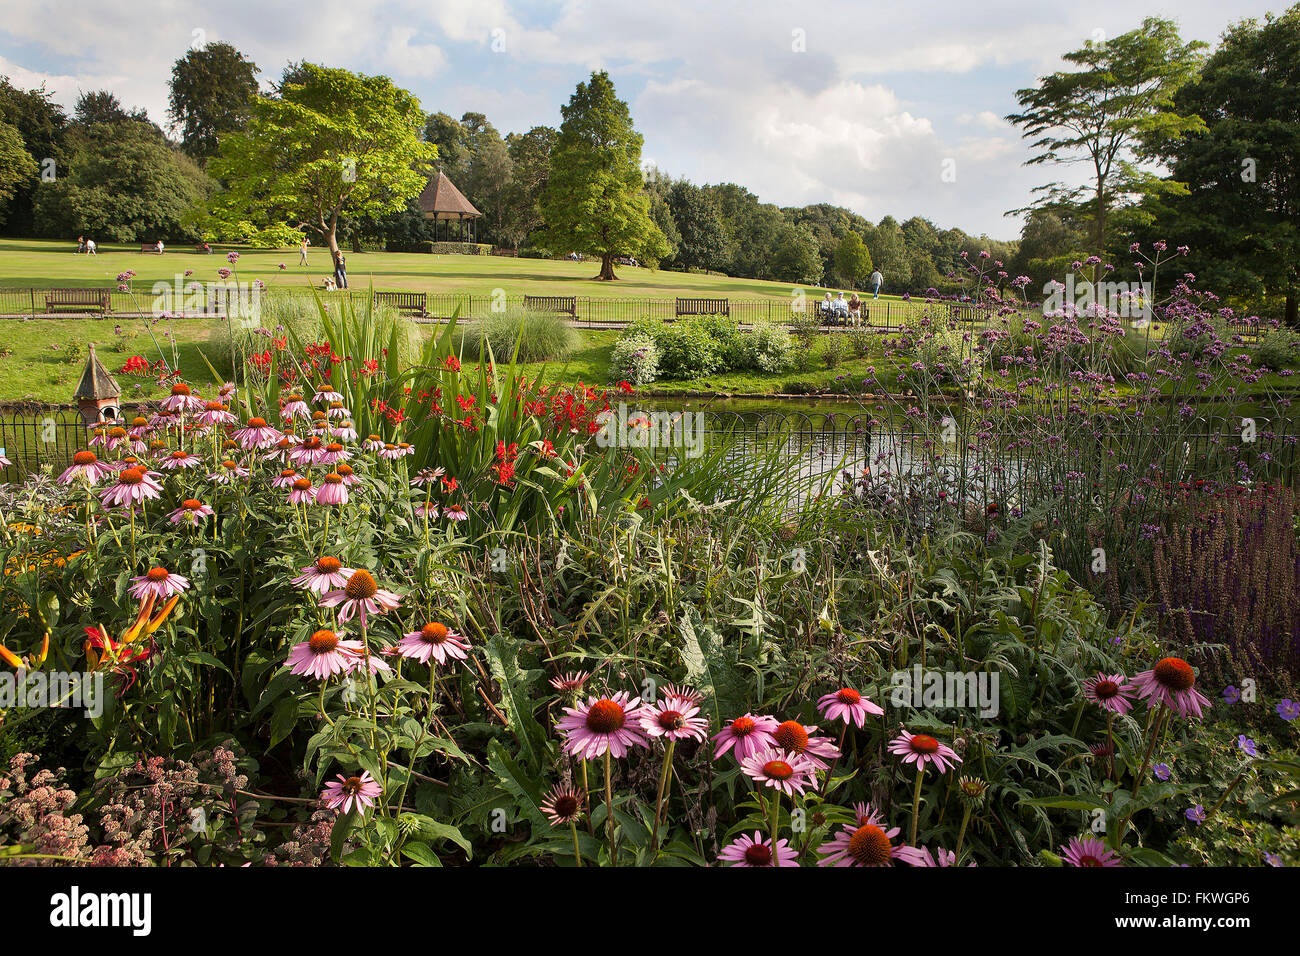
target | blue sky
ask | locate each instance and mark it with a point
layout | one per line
(855, 103)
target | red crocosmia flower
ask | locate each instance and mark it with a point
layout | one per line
(453, 363)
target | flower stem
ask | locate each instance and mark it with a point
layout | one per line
(664, 776)
(609, 812)
(916, 801)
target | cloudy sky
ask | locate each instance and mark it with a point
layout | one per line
(863, 104)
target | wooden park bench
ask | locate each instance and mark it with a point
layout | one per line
(567, 304)
(703, 307)
(97, 299)
(505, 252)
(404, 301)
(150, 248)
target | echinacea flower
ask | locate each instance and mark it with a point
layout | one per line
(868, 843)
(309, 451)
(327, 574)
(335, 453)
(191, 512)
(790, 773)
(346, 792)
(1089, 851)
(757, 851)
(920, 749)
(564, 804)
(848, 705)
(134, 486)
(182, 400)
(179, 459)
(571, 681)
(345, 430)
(215, 413)
(326, 395)
(332, 491)
(360, 597)
(433, 641)
(427, 476)
(228, 473)
(336, 410)
(301, 492)
(748, 734)
(285, 478)
(673, 716)
(1172, 682)
(345, 472)
(940, 857)
(454, 513)
(602, 725)
(159, 582)
(796, 738)
(256, 434)
(294, 407)
(1109, 692)
(86, 467)
(323, 655)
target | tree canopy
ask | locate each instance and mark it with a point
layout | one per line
(212, 91)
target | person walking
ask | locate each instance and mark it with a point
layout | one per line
(340, 270)
(90, 248)
(302, 251)
(877, 280)
(81, 244)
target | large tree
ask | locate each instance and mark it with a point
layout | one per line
(1115, 110)
(1240, 213)
(530, 156)
(16, 165)
(703, 238)
(852, 260)
(43, 127)
(594, 202)
(332, 143)
(102, 107)
(212, 91)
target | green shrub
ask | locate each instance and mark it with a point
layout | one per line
(635, 358)
(541, 336)
(686, 349)
(768, 348)
(1278, 350)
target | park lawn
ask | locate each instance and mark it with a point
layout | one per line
(31, 263)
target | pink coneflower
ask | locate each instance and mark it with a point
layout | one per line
(310, 451)
(940, 857)
(571, 681)
(748, 734)
(602, 725)
(564, 804)
(229, 472)
(673, 716)
(454, 513)
(332, 491)
(327, 395)
(361, 596)
(867, 844)
(1109, 692)
(920, 750)
(327, 574)
(848, 705)
(798, 739)
(1089, 851)
(256, 434)
(86, 467)
(757, 851)
(118, 437)
(345, 430)
(346, 792)
(335, 453)
(183, 400)
(179, 459)
(285, 478)
(301, 492)
(390, 452)
(337, 412)
(323, 655)
(791, 773)
(345, 471)
(427, 510)
(215, 413)
(162, 420)
(140, 427)
(373, 443)
(159, 582)
(134, 487)
(294, 407)
(403, 448)
(1172, 682)
(433, 641)
(191, 512)
(427, 476)
(226, 390)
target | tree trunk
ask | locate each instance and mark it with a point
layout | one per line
(1291, 320)
(607, 267)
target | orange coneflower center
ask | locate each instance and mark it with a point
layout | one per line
(311, 443)
(333, 447)
(157, 575)
(924, 745)
(229, 465)
(257, 423)
(1175, 673)
(332, 479)
(139, 422)
(434, 633)
(227, 445)
(328, 565)
(605, 717)
(288, 473)
(179, 389)
(84, 458)
(179, 455)
(301, 484)
(344, 470)
(671, 720)
(361, 586)
(743, 726)
(213, 407)
(374, 438)
(778, 770)
(1105, 689)
(758, 854)
(336, 405)
(322, 642)
(792, 736)
(130, 476)
(848, 695)
(191, 504)
(869, 846)
(352, 785)
(117, 432)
